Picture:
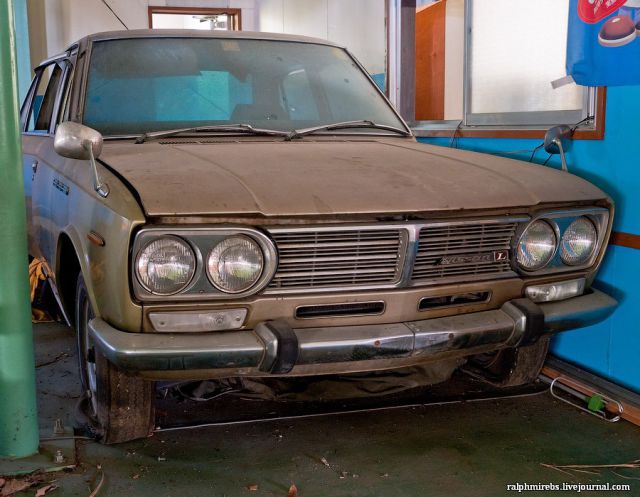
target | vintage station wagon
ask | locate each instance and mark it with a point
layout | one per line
(245, 205)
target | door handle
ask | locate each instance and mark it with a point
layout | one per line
(34, 169)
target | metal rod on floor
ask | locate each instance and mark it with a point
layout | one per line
(18, 413)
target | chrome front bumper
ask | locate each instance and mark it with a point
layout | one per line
(274, 348)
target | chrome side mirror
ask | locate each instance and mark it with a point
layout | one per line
(76, 141)
(554, 142)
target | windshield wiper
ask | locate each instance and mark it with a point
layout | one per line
(222, 128)
(299, 133)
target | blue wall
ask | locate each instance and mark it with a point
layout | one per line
(612, 348)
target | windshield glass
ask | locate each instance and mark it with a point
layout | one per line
(150, 84)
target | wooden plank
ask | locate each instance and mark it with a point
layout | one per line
(430, 60)
(628, 240)
(631, 412)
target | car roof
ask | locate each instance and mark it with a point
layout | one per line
(199, 33)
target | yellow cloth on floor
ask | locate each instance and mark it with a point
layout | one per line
(38, 272)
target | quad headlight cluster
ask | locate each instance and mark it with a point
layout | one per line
(561, 241)
(201, 263)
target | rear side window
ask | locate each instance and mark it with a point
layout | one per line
(44, 99)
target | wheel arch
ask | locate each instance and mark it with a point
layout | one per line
(70, 262)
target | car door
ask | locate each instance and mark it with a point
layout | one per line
(39, 118)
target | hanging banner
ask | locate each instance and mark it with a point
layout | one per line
(603, 44)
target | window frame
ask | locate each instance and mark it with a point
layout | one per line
(62, 93)
(234, 13)
(489, 125)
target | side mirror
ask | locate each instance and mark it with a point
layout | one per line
(77, 141)
(554, 142)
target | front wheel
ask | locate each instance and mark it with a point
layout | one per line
(510, 367)
(116, 407)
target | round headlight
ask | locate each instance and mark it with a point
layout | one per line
(537, 246)
(578, 242)
(166, 266)
(235, 264)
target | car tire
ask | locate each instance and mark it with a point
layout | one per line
(115, 407)
(511, 367)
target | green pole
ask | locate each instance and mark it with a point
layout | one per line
(18, 413)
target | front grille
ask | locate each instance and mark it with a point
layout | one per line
(464, 250)
(327, 258)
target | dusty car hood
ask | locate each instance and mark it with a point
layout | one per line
(299, 178)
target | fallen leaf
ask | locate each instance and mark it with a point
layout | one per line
(252, 488)
(43, 490)
(325, 462)
(136, 476)
(13, 487)
(293, 491)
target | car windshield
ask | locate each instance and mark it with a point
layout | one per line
(150, 84)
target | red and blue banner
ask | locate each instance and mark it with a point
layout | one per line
(603, 45)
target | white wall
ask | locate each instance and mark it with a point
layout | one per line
(454, 60)
(357, 24)
(66, 21)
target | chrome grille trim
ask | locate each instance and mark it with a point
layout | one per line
(326, 257)
(477, 242)
(329, 265)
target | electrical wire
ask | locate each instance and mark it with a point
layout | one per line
(533, 152)
(586, 119)
(116, 15)
(452, 141)
(339, 413)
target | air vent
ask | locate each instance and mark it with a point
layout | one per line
(340, 310)
(429, 303)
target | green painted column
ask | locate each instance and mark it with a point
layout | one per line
(18, 413)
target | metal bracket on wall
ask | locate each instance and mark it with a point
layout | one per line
(597, 405)
(591, 385)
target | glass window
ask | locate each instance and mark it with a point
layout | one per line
(149, 84)
(44, 99)
(512, 63)
(298, 96)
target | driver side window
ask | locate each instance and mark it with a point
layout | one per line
(44, 99)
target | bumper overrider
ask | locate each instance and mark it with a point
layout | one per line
(273, 347)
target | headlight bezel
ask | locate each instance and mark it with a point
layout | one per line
(201, 240)
(560, 221)
(554, 230)
(212, 277)
(562, 248)
(192, 270)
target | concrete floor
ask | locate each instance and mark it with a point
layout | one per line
(471, 450)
